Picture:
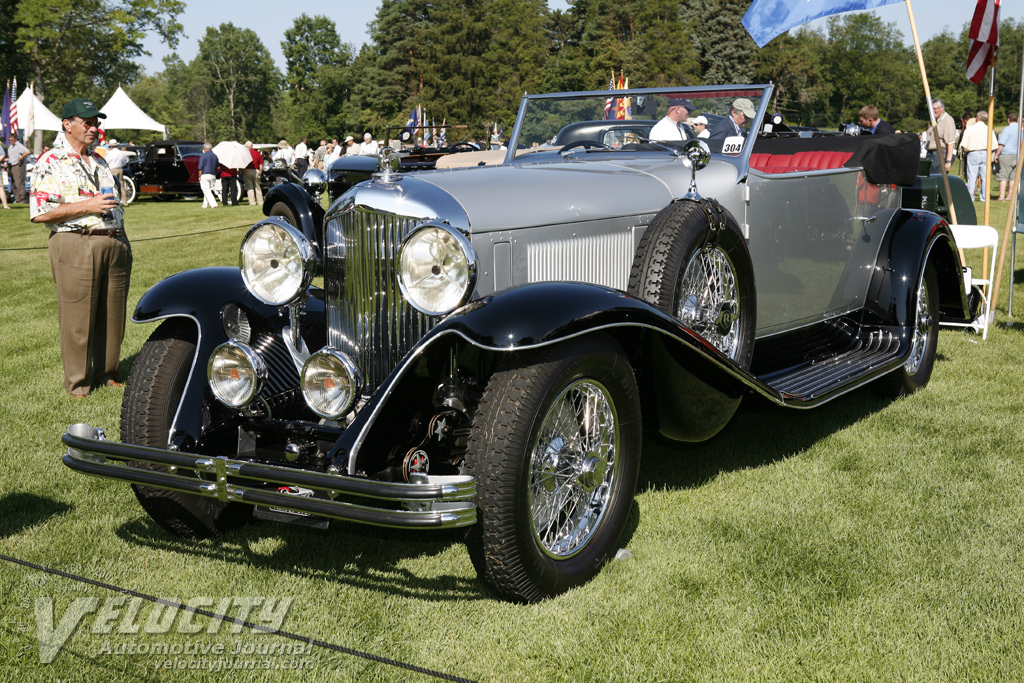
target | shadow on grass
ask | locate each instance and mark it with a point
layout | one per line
(19, 511)
(358, 556)
(760, 433)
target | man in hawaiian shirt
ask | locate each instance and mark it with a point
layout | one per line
(90, 257)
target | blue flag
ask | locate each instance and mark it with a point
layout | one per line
(414, 121)
(768, 18)
(5, 116)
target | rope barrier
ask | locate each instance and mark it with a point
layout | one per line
(241, 622)
(149, 239)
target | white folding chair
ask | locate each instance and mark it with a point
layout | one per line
(978, 237)
(1018, 228)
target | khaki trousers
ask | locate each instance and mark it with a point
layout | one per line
(251, 177)
(92, 273)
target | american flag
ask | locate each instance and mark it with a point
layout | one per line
(442, 136)
(984, 39)
(611, 100)
(14, 108)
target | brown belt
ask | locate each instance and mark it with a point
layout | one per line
(113, 232)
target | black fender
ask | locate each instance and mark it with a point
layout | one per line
(307, 210)
(201, 295)
(914, 239)
(701, 386)
(346, 171)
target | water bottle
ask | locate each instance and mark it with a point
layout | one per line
(107, 190)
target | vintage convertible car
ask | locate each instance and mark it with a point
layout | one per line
(491, 343)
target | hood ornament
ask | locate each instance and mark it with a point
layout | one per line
(387, 164)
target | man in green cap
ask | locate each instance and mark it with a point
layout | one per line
(90, 257)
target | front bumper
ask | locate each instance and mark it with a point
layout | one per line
(435, 502)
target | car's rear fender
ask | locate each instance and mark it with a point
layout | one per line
(201, 296)
(915, 239)
(306, 209)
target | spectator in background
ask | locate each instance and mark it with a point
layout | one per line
(947, 138)
(368, 145)
(976, 142)
(285, 152)
(3, 192)
(742, 110)
(700, 126)
(116, 161)
(251, 176)
(333, 153)
(90, 257)
(301, 157)
(1006, 155)
(319, 154)
(228, 182)
(16, 155)
(350, 147)
(675, 126)
(870, 122)
(208, 163)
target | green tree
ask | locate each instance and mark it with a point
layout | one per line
(86, 48)
(867, 62)
(316, 77)
(727, 52)
(793, 64)
(241, 80)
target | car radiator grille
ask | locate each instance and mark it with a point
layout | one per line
(367, 316)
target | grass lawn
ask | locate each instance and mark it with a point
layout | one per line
(862, 541)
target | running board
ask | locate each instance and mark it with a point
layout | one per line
(864, 357)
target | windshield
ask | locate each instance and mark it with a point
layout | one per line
(633, 119)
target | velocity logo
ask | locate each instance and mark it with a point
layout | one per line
(133, 616)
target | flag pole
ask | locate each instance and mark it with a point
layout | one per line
(931, 114)
(988, 141)
(1013, 204)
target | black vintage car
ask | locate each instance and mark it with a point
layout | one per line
(491, 343)
(168, 169)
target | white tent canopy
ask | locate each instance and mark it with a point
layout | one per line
(34, 115)
(122, 113)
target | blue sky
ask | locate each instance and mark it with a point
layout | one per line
(270, 18)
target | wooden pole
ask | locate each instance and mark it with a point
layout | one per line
(931, 114)
(1013, 205)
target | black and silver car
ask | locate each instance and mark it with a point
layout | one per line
(491, 343)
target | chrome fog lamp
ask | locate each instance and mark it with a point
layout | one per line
(277, 262)
(437, 269)
(330, 383)
(236, 373)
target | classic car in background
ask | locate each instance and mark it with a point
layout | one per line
(491, 343)
(168, 169)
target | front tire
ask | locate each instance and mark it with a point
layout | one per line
(151, 398)
(555, 448)
(693, 264)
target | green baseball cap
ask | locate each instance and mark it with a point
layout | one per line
(82, 108)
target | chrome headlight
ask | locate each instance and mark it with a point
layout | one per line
(330, 383)
(277, 262)
(437, 269)
(236, 373)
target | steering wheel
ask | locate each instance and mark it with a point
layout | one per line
(585, 144)
(462, 147)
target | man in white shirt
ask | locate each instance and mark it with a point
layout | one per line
(117, 160)
(674, 127)
(368, 145)
(978, 139)
(301, 157)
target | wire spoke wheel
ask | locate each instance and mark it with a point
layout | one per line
(572, 468)
(709, 300)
